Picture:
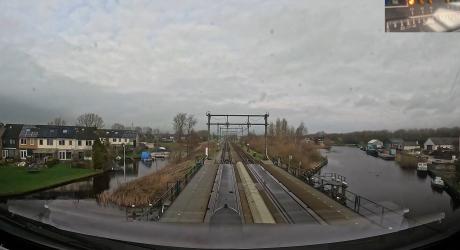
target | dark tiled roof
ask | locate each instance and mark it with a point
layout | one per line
(64, 132)
(411, 143)
(12, 131)
(114, 133)
(29, 131)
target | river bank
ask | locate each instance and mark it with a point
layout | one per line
(15, 181)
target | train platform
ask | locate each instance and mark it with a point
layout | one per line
(192, 203)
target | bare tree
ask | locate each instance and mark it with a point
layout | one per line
(138, 130)
(118, 126)
(179, 123)
(147, 130)
(90, 120)
(300, 131)
(190, 124)
(58, 121)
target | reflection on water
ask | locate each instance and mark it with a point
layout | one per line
(387, 183)
(93, 186)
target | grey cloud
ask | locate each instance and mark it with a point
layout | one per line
(328, 64)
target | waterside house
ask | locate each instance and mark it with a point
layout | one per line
(61, 142)
(118, 138)
(441, 143)
(411, 146)
(396, 143)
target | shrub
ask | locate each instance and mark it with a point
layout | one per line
(80, 164)
(407, 161)
(52, 162)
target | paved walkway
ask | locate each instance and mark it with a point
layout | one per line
(192, 203)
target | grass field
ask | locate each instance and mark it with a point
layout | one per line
(17, 180)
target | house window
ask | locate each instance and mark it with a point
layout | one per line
(4, 154)
(79, 142)
(70, 142)
(119, 139)
(32, 141)
(12, 141)
(61, 142)
(23, 141)
(49, 142)
(40, 142)
(124, 140)
(114, 139)
(89, 143)
(23, 154)
(62, 155)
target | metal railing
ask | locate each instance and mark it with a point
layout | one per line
(335, 186)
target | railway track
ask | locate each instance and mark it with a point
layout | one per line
(224, 206)
(291, 208)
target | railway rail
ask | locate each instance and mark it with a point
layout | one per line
(292, 209)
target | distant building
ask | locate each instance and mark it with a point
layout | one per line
(396, 143)
(439, 143)
(411, 146)
(117, 138)
(61, 142)
(167, 138)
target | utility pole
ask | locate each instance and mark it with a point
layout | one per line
(209, 133)
(266, 126)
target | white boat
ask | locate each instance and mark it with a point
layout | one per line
(422, 166)
(437, 182)
(161, 154)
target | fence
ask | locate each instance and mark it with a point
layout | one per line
(156, 209)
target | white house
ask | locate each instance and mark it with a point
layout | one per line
(411, 146)
(435, 143)
(117, 137)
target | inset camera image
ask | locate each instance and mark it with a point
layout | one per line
(422, 15)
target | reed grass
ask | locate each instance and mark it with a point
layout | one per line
(148, 189)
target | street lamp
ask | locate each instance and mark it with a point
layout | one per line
(124, 160)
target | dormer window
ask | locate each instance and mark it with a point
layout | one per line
(64, 131)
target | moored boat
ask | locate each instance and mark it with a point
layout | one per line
(438, 183)
(422, 167)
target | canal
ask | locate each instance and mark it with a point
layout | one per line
(388, 184)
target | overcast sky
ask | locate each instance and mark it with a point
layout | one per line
(327, 63)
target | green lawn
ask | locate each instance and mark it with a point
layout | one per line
(16, 180)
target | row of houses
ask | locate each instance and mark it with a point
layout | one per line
(22, 141)
(431, 144)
